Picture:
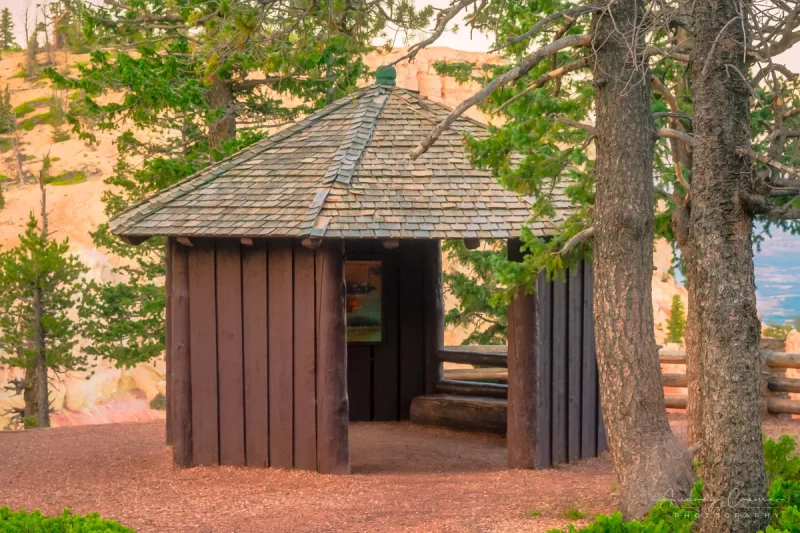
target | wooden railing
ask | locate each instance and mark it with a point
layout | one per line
(775, 385)
(490, 376)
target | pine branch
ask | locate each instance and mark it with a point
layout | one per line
(523, 68)
(567, 13)
(442, 20)
(544, 78)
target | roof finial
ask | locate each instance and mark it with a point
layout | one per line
(385, 75)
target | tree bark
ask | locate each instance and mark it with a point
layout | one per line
(42, 392)
(221, 103)
(649, 462)
(723, 318)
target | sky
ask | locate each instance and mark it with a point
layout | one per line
(777, 263)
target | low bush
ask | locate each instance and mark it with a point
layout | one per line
(159, 402)
(782, 465)
(36, 522)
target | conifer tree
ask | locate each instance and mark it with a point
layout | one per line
(207, 78)
(39, 283)
(677, 320)
(7, 41)
(7, 117)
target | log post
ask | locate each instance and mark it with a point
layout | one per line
(169, 244)
(522, 379)
(434, 314)
(332, 404)
(180, 395)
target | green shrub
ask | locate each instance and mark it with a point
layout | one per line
(574, 514)
(66, 178)
(159, 402)
(31, 105)
(782, 465)
(780, 459)
(36, 522)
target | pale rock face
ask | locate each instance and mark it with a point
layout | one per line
(793, 342)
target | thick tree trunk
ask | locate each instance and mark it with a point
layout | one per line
(42, 389)
(649, 463)
(723, 320)
(221, 102)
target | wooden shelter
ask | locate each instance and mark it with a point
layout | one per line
(260, 371)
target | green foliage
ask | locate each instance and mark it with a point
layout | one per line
(36, 522)
(159, 402)
(530, 513)
(573, 514)
(209, 67)
(777, 331)
(676, 322)
(20, 74)
(7, 117)
(783, 472)
(475, 279)
(664, 517)
(2, 197)
(67, 178)
(7, 41)
(39, 283)
(31, 105)
(780, 459)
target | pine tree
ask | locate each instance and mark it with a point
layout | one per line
(677, 320)
(7, 117)
(7, 41)
(39, 282)
(209, 79)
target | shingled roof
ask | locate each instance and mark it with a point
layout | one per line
(345, 172)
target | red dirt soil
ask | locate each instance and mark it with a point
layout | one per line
(405, 478)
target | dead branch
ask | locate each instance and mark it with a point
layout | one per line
(523, 68)
(579, 238)
(752, 154)
(544, 78)
(759, 205)
(442, 20)
(567, 13)
(675, 134)
(588, 128)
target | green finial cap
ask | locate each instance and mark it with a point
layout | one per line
(385, 75)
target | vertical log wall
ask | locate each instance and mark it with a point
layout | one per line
(568, 416)
(257, 355)
(382, 379)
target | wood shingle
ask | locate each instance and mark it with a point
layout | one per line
(344, 172)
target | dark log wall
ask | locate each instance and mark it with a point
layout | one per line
(383, 379)
(257, 355)
(568, 418)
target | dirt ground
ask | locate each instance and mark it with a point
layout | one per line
(405, 478)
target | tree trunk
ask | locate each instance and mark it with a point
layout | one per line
(723, 319)
(29, 395)
(221, 104)
(42, 389)
(649, 462)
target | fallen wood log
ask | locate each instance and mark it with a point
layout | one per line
(463, 413)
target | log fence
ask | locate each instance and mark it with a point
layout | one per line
(489, 377)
